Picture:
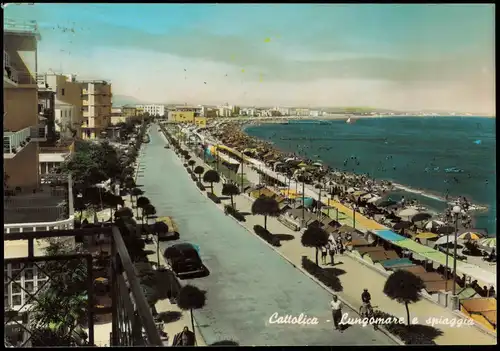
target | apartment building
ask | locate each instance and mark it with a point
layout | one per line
(96, 106)
(29, 203)
(68, 101)
(153, 110)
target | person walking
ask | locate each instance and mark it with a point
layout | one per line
(324, 251)
(184, 338)
(331, 250)
(336, 307)
(340, 245)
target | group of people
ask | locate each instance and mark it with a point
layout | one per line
(336, 307)
(334, 246)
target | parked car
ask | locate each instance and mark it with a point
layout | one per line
(184, 259)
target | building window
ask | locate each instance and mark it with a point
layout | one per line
(62, 91)
(24, 282)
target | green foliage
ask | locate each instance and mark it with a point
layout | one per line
(61, 305)
(266, 206)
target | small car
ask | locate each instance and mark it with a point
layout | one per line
(184, 259)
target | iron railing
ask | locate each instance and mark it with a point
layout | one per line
(122, 299)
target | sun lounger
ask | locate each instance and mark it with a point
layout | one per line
(364, 250)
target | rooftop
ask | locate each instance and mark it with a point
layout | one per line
(23, 27)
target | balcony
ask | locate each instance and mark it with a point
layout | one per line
(85, 92)
(38, 133)
(115, 310)
(51, 201)
(20, 27)
(12, 77)
(14, 142)
(85, 102)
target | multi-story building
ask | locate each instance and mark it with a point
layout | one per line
(154, 110)
(96, 106)
(68, 102)
(314, 113)
(29, 203)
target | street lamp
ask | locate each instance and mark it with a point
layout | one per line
(457, 210)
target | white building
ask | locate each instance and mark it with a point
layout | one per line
(314, 113)
(154, 110)
(283, 111)
(64, 115)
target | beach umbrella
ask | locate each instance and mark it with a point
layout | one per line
(386, 203)
(402, 225)
(350, 190)
(290, 159)
(426, 235)
(470, 236)
(433, 225)
(446, 229)
(419, 217)
(445, 240)
(367, 196)
(317, 164)
(488, 243)
(374, 199)
(302, 165)
(407, 212)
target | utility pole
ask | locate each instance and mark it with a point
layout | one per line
(242, 164)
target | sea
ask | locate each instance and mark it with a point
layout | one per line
(425, 157)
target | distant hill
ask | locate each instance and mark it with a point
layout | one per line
(121, 100)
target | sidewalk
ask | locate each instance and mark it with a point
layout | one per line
(357, 277)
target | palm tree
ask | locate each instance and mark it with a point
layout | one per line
(187, 157)
(211, 177)
(199, 171)
(265, 206)
(230, 189)
(124, 212)
(404, 287)
(191, 298)
(314, 237)
(191, 163)
(142, 202)
(318, 186)
(129, 185)
(159, 228)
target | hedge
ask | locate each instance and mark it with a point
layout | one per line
(327, 278)
(233, 212)
(213, 197)
(409, 335)
(266, 235)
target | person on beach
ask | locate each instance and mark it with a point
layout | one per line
(340, 245)
(336, 307)
(324, 252)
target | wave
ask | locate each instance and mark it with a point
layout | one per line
(419, 192)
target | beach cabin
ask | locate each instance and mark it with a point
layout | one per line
(481, 310)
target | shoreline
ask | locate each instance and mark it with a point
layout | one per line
(379, 184)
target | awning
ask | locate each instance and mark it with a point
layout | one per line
(389, 235)
(228, 159)
(413, 246)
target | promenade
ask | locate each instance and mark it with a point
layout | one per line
(248, 281)
(355, 276)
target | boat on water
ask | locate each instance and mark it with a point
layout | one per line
(349, 120)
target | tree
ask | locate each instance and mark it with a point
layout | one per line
(149, 210)
(191, 298)
(187, 157)
(142, 202)
(265, 206)
(314, 237)
(404, 287)
(129, 185)
(199, 171)
(230, 189)
(61, 306)
(79, 205)
(191, 163)
(159, 228)
(136, 192)
(124, 212)
(211, 177)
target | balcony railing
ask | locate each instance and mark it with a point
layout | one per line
(21, 27)
(85, 92)
(13, 142)
(120, 300)
(85, 102)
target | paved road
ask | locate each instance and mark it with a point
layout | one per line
(248, 280)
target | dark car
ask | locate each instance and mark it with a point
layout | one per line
(184, 259)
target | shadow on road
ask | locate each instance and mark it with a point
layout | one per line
(169, 316)
(284, 237)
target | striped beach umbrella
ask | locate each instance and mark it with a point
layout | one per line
(433, 225)
(426, 235)
(488, 242)
(470, 236)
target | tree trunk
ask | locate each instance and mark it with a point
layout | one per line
(232, 203)
(317, 251)
(199, 178)
(265, 222)
(158, 250)
(407, 314)
(192, 325)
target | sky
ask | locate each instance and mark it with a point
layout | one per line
(394, 56)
